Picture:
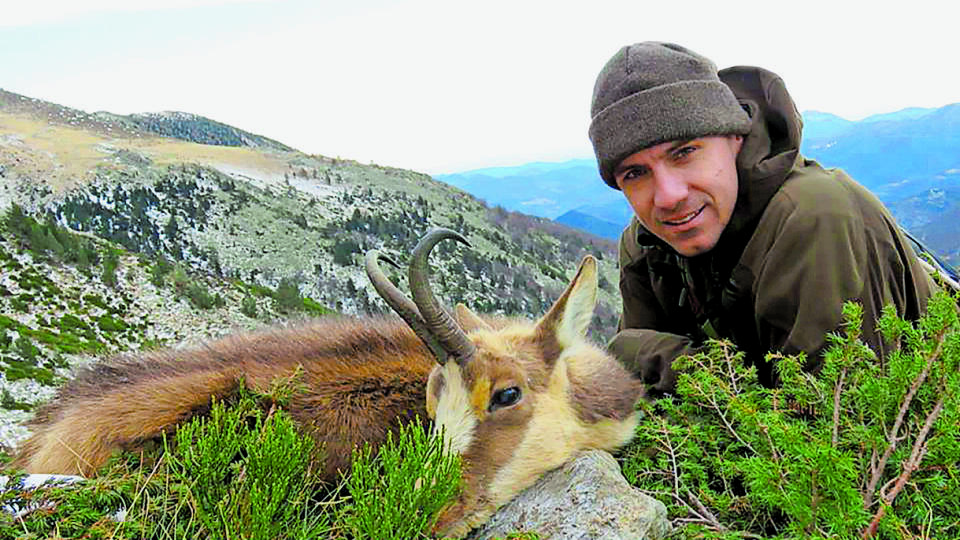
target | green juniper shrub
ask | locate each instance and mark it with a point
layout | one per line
(25, 348)
(159, 271)
(238, 473)
(396, 494)
(200, 297)
(10, 403)
(180, 280)
(248, 306)
(250, 475)
(18, 222)
(863, 449)
(110, 262)
(288, 296)
(244, 471)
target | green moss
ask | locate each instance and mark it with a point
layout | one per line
(97, 300)
(9, 403)
(313, 307)
(66, 343)
(111, 324)
(21, 369)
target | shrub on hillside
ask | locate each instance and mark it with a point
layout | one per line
(248, 306)
(288, 295)
(864, 449)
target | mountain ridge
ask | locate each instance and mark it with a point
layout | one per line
(184, 126)
(909, 158)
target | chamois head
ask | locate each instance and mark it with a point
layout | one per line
(518, 399)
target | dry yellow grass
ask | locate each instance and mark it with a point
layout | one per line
(63, 156)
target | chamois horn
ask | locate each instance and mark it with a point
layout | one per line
(404, 307)
(451, 337)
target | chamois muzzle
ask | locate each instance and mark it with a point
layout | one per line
(424, 314)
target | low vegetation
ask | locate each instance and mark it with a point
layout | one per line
(864, 450)
(243, 471)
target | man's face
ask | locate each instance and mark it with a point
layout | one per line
(683, 191)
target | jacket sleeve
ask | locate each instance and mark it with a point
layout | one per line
(642, 345)
(649, 355)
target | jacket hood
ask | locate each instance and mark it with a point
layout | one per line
(771, 148)
(769, 151)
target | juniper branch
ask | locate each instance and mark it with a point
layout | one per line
(912, 464)
(731, 370)
(901, 415)
(716, 407)
(836, 408)
(701, 514)
(673, 462)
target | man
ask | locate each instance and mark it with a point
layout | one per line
(735, 235)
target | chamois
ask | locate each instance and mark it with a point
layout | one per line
(518, 398)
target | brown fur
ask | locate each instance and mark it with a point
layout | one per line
(364, 377)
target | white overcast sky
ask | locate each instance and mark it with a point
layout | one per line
(443, 86)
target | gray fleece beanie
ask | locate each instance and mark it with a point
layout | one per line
(650, 93)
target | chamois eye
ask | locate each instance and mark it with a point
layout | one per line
(505, 398)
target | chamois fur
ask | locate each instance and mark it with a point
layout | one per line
(575, 397)
(525, 401)
(361, 379)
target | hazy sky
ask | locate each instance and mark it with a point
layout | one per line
(442, 86)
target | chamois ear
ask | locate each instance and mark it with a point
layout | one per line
(469, 320)
(570, 315)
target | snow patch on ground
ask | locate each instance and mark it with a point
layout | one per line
(269, 180)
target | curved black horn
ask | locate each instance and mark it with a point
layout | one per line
(403, 306)
(438, 321)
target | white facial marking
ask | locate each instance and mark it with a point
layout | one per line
(454, 413)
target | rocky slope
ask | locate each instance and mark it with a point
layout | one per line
(205, 239)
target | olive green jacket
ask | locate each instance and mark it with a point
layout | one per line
(801, 241)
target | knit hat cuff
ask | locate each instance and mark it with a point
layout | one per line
(671, 112)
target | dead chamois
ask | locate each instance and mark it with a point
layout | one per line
(518, 398)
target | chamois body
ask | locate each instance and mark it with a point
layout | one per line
(514, 398)
(360, 379)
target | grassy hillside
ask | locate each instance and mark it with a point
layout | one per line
(206, 239)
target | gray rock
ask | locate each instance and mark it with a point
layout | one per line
(588, 498)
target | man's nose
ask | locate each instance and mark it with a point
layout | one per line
(670, 189)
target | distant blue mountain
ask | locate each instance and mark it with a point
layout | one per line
(593, 224)
(909, 158)
(540, 189)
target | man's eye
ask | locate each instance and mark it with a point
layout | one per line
(633, 173)
(683, 152)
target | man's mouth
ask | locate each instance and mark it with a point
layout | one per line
(684, 219)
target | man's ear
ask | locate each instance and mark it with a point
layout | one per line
(737, 141)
